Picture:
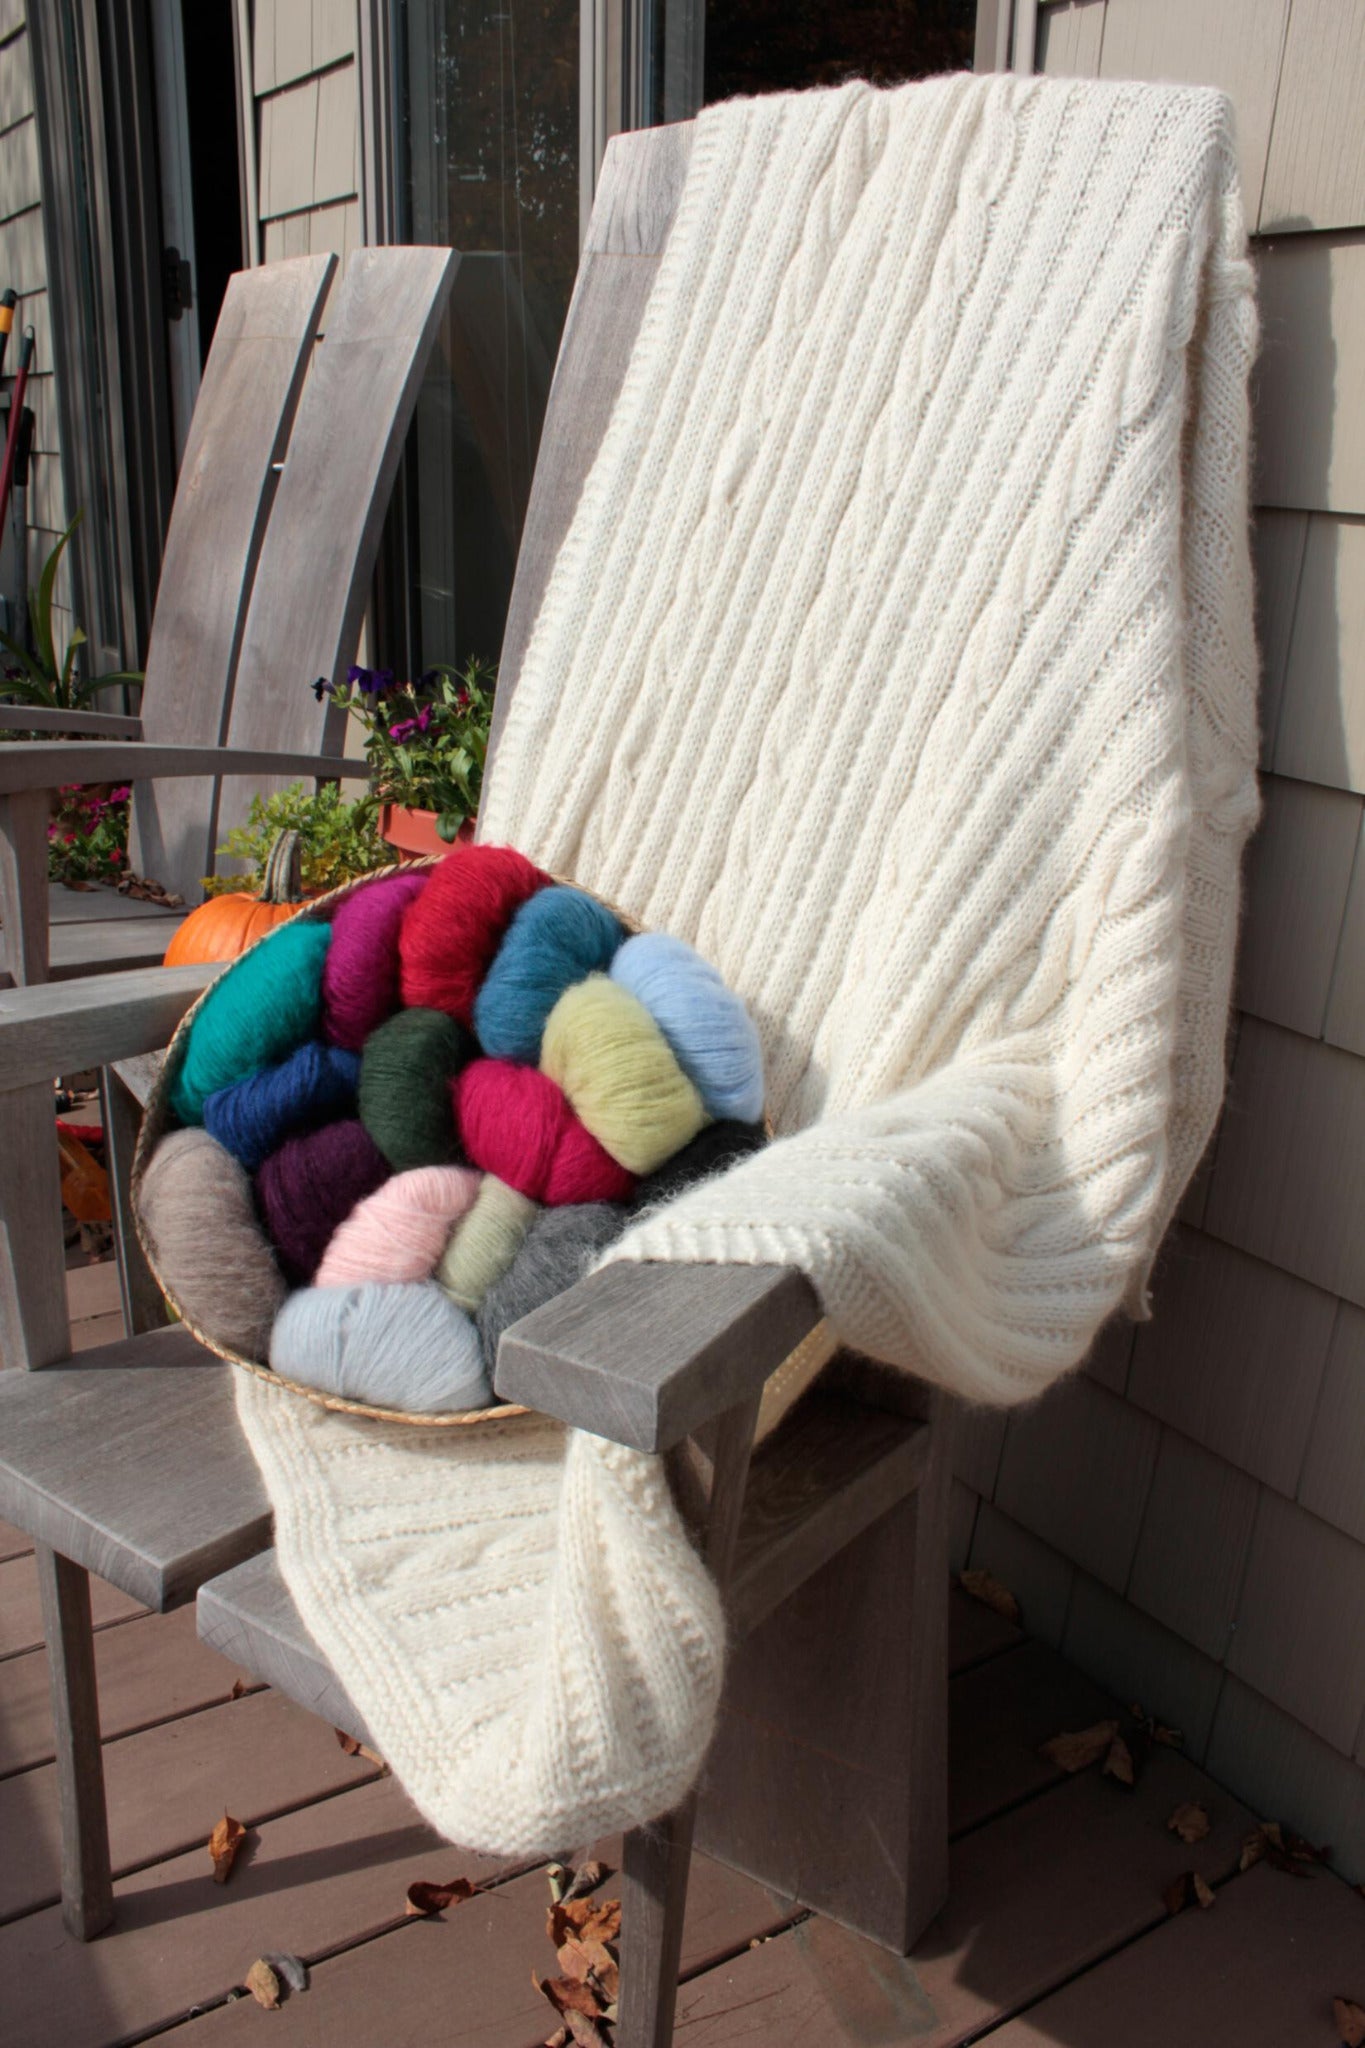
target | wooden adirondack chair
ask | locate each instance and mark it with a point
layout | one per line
(828, 1779)
(263, 587)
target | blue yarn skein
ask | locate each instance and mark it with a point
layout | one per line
(265, 1006)
(399, 1344)
(558, 937)
(253, 1118)
(711, 1034)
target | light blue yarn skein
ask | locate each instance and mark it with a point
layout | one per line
(558, 937)
(711, 1034)
(253, 1118)
(390, 1344)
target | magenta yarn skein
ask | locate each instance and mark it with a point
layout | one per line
(360, 977)
(311, 1185)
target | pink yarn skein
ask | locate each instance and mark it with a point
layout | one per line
(360, 973)
(400, 1231)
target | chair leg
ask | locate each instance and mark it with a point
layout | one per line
(709, 1478)
(23, 883)
(87, 1883)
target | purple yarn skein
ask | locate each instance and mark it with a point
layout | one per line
(360, 976)
(310, 1185)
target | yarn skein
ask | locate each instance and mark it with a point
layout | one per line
(558, 936)
(210, 1253)
(450, 934)
(400, 1231)
(402, 1345)
(484, 1242)
(265, 1005)
(712, 1035)
(405, 1074)
(360, 978)
(515, 1122)
(615, 1066)
(713, 1151)
(314, 1085)
(310, 1185)
(558, 1250)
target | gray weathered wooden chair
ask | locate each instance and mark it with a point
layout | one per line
(263, 587)
(828, 1776)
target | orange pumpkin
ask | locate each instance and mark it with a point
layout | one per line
(226, 925)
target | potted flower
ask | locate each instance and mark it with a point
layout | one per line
(426, 742)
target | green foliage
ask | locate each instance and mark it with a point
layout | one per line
(336, 839)
(426, 742)
(42, 678)
(87, 834)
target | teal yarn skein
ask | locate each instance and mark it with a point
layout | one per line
(389, 1344)
(405, 1074)
(266, 1005)
(559, 936)
(709, 1031)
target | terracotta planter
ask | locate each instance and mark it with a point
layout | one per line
(413, 833)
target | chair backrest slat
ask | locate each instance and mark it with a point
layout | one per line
(242, 418)
(637, 196)
(313, 580)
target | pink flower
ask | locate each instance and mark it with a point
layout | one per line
(121, 794)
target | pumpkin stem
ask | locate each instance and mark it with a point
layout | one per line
(284, 870)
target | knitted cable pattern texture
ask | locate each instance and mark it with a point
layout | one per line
(900, 657)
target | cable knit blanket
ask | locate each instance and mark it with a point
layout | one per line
(899, 656)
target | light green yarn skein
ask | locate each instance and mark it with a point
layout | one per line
(484, 1242)
(609, 1056)
(263, 1009)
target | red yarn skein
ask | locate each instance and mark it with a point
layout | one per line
(451, 932)
(515, 1122)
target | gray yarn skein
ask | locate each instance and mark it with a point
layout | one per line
(556, 1252)
(209, 1250)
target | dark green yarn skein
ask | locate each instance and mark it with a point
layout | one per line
(406, 1070)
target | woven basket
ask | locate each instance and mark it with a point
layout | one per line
(789, 1380)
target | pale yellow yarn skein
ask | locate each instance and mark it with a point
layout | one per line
(484, 1242)
(609, 1056)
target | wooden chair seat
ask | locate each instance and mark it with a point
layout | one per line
(97, 931)
(129, 1461)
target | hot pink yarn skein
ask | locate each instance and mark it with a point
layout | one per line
(400, 1231)
(517, 1123)
(360, 974)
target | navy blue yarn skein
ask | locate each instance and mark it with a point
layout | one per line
(253, 1118)
(558, 937)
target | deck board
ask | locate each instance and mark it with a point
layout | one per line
(21, 1624)
(1258, 1970)
(153, 1669)
(1045, 1891)
(167, 1786)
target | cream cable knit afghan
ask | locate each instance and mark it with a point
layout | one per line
(900, 655)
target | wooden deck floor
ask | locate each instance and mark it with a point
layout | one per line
(1056, 1932)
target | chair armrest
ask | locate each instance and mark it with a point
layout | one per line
(109, 725)
(61, 1027)
(46, 764)
(647, 1353)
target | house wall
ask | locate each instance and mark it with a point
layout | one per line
(1186, 1519)
(23, 264)
(302, 66)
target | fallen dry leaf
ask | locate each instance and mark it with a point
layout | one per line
(1284, 1852)
(560, 1877)
(238, 1688)
(1350, 2022)
(569, 1994)
(290, 1970)
(1169, 1738)
(426, 1898)
(559, 2038)
(1189, 1889)
(223, 1844)
(346, 1743)
(1190, 1821)
(1118, 1762)
(991, 1593)
(584, 1920)
(263, 1984)
(587, 1878)
(1203, 1892)
(1077, 1751)
(585, 2031)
